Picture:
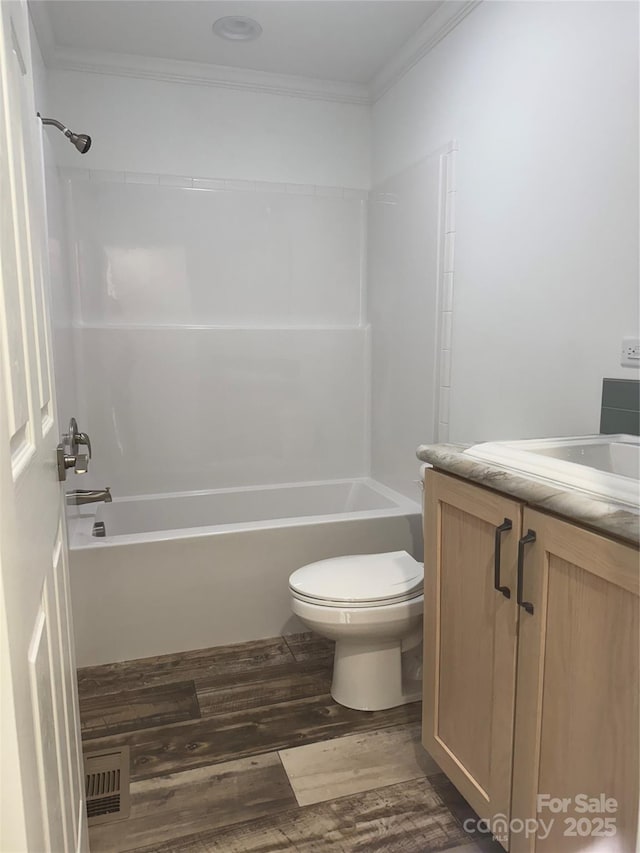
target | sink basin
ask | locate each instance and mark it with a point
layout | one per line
(607, 466)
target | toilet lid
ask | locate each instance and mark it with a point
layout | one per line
(362, 578)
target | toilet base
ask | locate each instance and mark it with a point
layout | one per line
(369, 676)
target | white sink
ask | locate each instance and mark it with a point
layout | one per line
(604, 465)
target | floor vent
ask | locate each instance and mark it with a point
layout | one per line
(106, 776)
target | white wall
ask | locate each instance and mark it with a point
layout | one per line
(543, 100)
(178, 129)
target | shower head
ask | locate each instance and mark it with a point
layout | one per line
(80, 140)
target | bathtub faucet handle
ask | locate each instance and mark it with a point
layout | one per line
(74, 437)
(83, 438)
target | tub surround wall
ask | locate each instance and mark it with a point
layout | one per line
(220, 326)
(543, 101)
(241, 407)
(411, 242)
(173, 250)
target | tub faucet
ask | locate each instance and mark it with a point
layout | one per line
(78, 497)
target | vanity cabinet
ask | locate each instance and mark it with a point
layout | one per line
(470, 638)
(531, 668)
(576, 725)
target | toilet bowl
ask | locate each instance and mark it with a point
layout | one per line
(371, 605)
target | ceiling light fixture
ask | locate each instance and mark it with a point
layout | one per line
(237, 28)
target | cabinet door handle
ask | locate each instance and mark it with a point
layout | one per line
(500, 529)
(528, 538)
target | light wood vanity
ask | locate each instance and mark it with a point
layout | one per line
(531, 666)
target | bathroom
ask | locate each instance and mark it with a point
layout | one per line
(308, 238)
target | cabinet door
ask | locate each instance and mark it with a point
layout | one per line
(577, 695)
(470, 639)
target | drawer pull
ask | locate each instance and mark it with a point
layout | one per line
(500, 529)
(527, 539)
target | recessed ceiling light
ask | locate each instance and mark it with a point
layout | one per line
(237, 28)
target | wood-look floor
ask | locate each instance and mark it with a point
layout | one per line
(242, 749)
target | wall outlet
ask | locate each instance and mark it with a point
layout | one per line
(630, 356)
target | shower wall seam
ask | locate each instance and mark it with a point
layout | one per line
(219, 327)
(213, 184)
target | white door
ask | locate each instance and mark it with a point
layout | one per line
(41, 791)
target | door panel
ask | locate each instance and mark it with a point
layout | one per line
(28, 342)
(58, 691)
(15, 351)
(577, 712)
(470, 639)
(45, 732)
(40, 772)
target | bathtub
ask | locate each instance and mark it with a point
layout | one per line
(185, 571)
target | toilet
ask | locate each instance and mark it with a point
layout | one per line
(371, 605)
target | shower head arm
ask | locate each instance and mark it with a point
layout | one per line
(55, 123)
(80, 140)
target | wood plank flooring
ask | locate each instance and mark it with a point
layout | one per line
(139, 708)
(329, 769)
(242, 749)
(180, 804)
(409, 816)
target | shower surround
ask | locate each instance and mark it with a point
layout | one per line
(219, 328)
(228, 376)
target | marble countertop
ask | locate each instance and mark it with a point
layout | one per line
(604, 516)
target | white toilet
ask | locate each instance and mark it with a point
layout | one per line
(371, 605)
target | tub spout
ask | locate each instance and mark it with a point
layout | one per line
(78, 497)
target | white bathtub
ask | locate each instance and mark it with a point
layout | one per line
(198, 569)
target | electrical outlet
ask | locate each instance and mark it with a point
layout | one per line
(630, 356)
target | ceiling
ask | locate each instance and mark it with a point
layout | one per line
(345, 40)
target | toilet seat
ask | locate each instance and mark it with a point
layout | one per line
(334, 602)
(361, 580)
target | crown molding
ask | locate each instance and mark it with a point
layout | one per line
(449, 14)
(434, 29)
(204, 74)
